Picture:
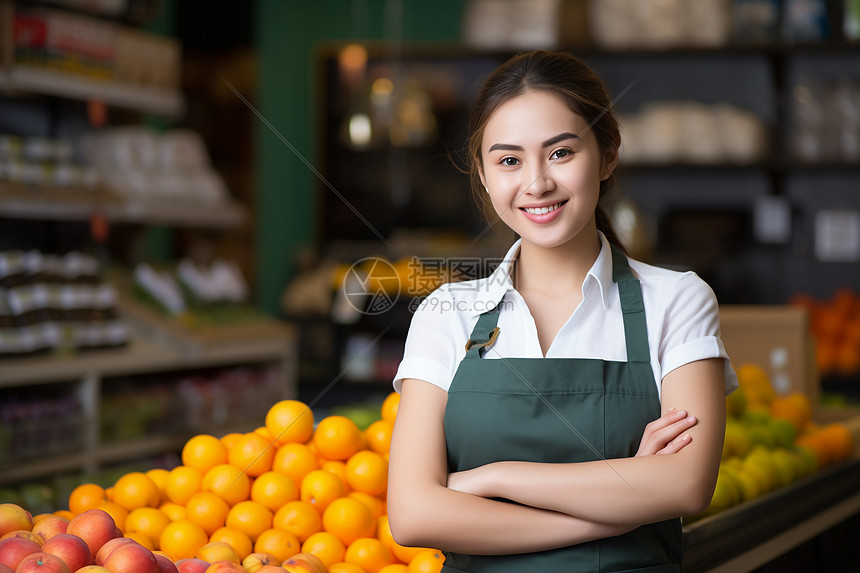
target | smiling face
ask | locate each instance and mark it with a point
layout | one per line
(543, 169)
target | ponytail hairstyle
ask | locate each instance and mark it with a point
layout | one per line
(581, 90)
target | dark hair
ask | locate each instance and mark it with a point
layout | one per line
(578, 86)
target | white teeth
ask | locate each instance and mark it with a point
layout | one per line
(542, 210)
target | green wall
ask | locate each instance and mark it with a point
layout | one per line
(287, 34)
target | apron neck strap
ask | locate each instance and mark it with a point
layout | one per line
(485, 332)
(632, 308)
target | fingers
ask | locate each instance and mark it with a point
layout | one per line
(666, 434)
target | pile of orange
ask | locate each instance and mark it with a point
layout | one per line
(286, 488)
(835, 325)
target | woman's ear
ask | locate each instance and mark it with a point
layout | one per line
(610, 161)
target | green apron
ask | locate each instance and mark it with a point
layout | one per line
(560, 410)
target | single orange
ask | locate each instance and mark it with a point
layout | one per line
(182, 482)
(278, 542)
(182, 539)
(838, 441)
(369, 553)
(147, 520)
(273, 489)
(336, 467)
(250, 517)
(319, 488)
(227, 482)
(378, 436)
(252, 453)
(374, 504)
(172, 510)
(427, 562)
(85, 496)
(265, 433)
(367, 471)
(794, 407)
(203, 452)
(298, 517)
(116, 511)
(389, 407)
(159, 478)
(229, 439)
(207, 510)
(141, 538)
(295, 461)
(326, 546)
(136, 489)
(290, 421)
(64, 513)
(349, 519)
(344, 567)
(238, 540)
(337, 438)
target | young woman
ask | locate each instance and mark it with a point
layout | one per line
(562, 413)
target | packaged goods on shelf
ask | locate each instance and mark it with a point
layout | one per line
(660, 24)
(825, 120)
(137, 162)
(48, 302)
(93, 48)
(40, 161)
(690, 132)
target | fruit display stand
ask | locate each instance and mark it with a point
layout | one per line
(756, 532)
(91, 375)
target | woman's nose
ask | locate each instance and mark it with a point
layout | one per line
(539, 180)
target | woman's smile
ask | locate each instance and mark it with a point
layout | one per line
(545, 213)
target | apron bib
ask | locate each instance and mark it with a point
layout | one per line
(560, 410)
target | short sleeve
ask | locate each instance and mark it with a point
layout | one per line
(692, 329)
(430, 353)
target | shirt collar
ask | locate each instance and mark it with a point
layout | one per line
(499, 282)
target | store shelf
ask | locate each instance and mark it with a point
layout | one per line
(36, 80)
(755, 532)
(56, 204)
(48, 466)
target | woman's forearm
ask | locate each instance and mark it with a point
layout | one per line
(466, 523)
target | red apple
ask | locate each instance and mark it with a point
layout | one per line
(165, 565)
(14, 549)
(304, 563)
(131, 558)
(6, 569)
(50, 526)
(110, 546)
(192, 565)
(73, 550)
(225, 567)
(14, 517)
(95, 526)
(42, 563)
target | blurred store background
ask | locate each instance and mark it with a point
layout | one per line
(203, 202)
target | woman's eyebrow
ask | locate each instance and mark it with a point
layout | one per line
(548, 143)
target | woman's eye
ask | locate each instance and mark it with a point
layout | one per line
(510, 161)
(559, 153)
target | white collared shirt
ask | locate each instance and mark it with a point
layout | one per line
(680, 308)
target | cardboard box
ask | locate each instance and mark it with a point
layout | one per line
(778, 339)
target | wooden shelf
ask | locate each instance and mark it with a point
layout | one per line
(44, 81)
(56, 204)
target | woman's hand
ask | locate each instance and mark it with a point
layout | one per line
(666, 434)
